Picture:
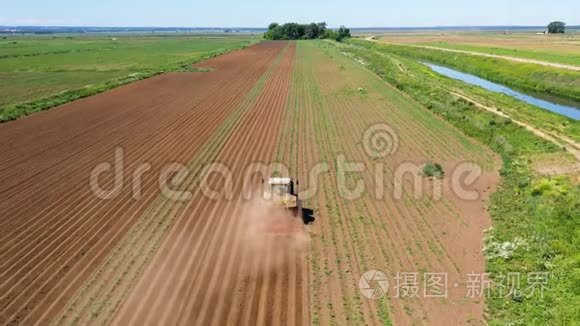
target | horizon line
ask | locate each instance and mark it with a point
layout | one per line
(265, 27)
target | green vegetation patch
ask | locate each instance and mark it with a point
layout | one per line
(542, 55)
(433, 170)
(294, 31)
(37, 73)
(196, 69)
(406, 74)
(20, 87)
(528, 76)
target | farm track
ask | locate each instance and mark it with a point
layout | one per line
(78, 229)
(487, 55)
(213, 279)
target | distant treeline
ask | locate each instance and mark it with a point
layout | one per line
(87, 29)
(294, 31)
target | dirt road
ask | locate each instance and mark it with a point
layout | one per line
(510, 58)
(559, 140)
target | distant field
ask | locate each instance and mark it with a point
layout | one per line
(552, 48)
(32, 68)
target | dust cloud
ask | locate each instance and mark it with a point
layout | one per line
(271, 233)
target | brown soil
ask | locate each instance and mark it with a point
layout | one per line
(393, 235)
(55, 230)
(209, 270)
(71, 258)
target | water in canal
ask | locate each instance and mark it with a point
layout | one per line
(564, 107)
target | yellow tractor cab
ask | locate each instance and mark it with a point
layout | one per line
(283, 190)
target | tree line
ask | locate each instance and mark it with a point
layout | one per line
(294, 31)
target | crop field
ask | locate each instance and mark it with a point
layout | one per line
(375, 232)
(129, 254)
(519, 208)
(562, 49)
(33, 68)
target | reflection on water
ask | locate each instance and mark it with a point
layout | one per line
(567, 108)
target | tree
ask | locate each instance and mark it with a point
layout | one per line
(311, 31)
(330, 34)
(276, 33)
(321, 29)
(294, 31)
(343, 33)
(557, 27)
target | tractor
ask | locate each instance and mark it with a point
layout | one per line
(283, 191)
(283, 195)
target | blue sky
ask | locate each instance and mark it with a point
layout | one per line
(258, 13)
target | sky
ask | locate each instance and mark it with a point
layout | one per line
(259, 13)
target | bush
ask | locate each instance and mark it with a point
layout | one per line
(343, 33)
(433, 170)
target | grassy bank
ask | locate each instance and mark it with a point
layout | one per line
(519, 110)
(39, 73)
(554, 48)
(565, 58)
(532, 77)
(535, 218)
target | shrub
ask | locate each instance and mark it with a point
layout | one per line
(433, 170)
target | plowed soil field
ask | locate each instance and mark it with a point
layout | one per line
(139, 257)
